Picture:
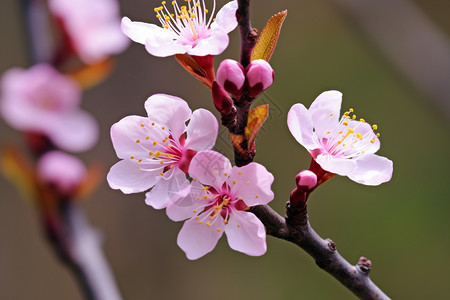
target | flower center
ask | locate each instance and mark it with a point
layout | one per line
(189, 23)
(350, 138)
(163, 151)
(217, 203)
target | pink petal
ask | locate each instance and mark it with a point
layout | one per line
(183, 207)
(74, 132)
(246, 234)
(213, 45)
(226, 17)
(252, 183)
(210, 168)
(372, 170)
(165, 44)
(126, 176)
(166, 191)
(325, 112)
(139, 31)
(202, 130)
(126, 132)
(340, 166)
(170, 111)
(368, 134)
(301, 127)
(198, 239)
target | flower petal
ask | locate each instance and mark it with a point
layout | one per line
(372, 170)
(210, 168)
(139, 31)
(301, 127)
(252, 183)
(213, 45)
(183, 207)
(76, 132)
(126, 132)
(340, 166)
(325, 112)
(226, 17)
(170, 111)
(246, 234)
(202, 130)
(166, 191)
(126, 177)
(198, 239)
(165, 44)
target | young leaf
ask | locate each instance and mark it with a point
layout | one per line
(90, 75)
(256, 118)
(268, 38)
(194, 69)
(16, 168)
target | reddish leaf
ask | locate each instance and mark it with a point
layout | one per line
(193, 68)
(256, 118)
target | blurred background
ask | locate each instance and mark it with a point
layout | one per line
(390, 60)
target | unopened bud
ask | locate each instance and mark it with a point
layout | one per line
(230, 76)
(306, 180)
(260, 76)
(64, 171)
(222, 101)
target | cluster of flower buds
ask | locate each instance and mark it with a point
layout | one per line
(255, 78)
(232, 78)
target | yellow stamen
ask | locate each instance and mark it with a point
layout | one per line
(374, 127)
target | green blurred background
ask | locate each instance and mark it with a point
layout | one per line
(402, 226)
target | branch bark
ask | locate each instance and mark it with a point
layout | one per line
(296, 229)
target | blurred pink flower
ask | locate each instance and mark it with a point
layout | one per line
(43, 100)
(339, 145)
(187, 30)
(155, 151)
(93, 27)
(64, 171)
(217, 201)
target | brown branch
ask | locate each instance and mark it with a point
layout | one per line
(295, 228)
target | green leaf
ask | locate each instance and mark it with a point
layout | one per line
(269, 37)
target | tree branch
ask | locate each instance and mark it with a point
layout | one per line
(295, 228)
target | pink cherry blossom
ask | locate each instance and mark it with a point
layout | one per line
(156, 150)
(340, 145)
(64, 171)
(43, 100)
(216, 202)
(186, 30)
(93, 27)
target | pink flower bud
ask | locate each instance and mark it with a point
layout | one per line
(222, 101)
(64, 171)
(306, 180)
(260, 76)
(230, 76)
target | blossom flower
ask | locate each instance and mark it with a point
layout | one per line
(217, 201)
(187, 30)
(64, 171)
(155, 151)
(343, 145)
(42, 100)
(93, 27)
